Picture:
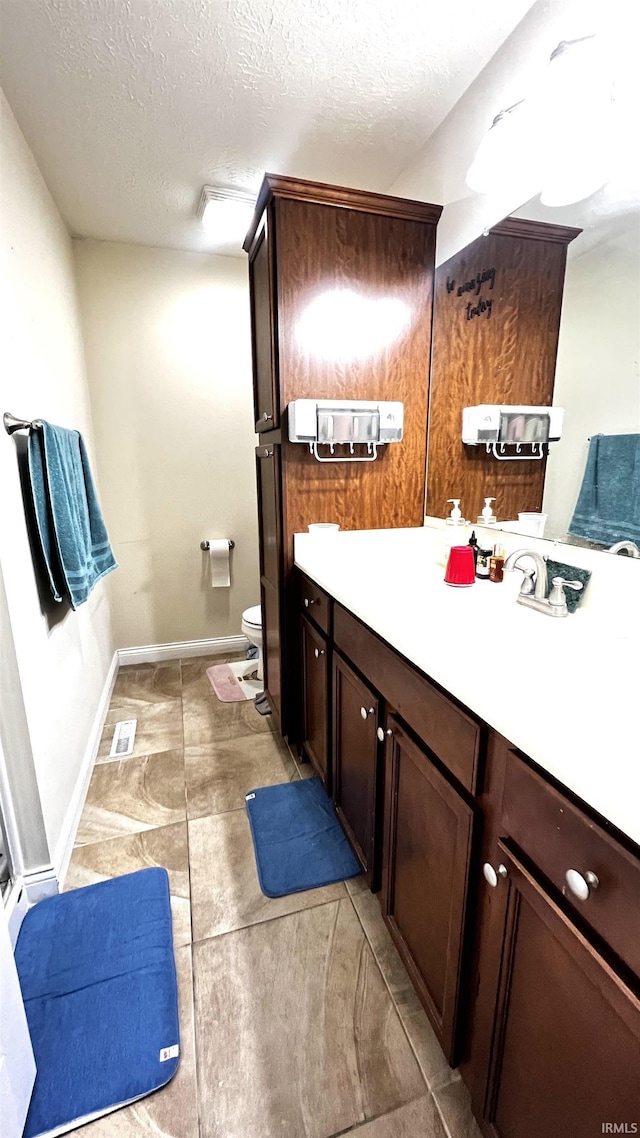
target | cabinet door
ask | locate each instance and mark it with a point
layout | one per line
(272, 647)
(355, 761)
(428, 831)
(565, 1048)
(269, 510)
(269, 524)
(315, 673)
(263, 332)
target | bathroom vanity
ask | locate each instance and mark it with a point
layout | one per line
(483, 761)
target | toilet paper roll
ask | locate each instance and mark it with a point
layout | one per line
(219, 562)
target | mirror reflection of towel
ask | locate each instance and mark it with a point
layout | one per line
(608, 507)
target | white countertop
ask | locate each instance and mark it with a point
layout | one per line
(565, 692)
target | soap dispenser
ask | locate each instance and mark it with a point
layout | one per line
(454, 534)
(487, 517)
(455, 517)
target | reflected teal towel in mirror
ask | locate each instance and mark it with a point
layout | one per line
(608, 508)
(74, 540)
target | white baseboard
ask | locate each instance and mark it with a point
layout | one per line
(41, 883)
(64, 847)
(16, 906)
(182, 649)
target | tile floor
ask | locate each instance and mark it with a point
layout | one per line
(298, 1017)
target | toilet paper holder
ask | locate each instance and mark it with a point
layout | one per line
(204, 545)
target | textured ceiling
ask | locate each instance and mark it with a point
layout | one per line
(130, 106)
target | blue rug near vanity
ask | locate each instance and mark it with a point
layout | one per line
(98, 981)
(298, 841)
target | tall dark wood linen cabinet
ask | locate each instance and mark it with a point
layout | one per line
(308, 241)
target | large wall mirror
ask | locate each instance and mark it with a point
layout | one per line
(496, 341)
(597, 379)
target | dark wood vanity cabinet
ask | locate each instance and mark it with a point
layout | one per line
(356, 763)
(315, 699)
(564, 1047)
(532, 990)
(427, 862)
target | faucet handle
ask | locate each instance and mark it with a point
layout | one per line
(556, 596)
(527, 587)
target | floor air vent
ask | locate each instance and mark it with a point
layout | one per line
(123, 739)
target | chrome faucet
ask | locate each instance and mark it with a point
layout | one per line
(627, 546)
(552, 603)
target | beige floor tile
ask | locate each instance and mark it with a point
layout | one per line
(147, 683)
(166, 846)
(159, 727)
(225, 892)
(357, 885)
(219, 774)
(171, 1112)
(133, 794)
(455, 1107)
(419, 1119)
(296, 1032)
(206, 718)
(421, 1035)
(305, 770)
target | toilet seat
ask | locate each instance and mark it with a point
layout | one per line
(253, 616)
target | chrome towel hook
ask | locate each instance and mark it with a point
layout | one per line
(12, 424)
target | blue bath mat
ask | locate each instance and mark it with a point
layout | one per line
(98, 981)
(298, 840)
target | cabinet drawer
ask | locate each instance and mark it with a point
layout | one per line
(447, 730)
(315, 603)
(559, 836)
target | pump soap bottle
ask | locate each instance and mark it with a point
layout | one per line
(487, 517)
(454, 524)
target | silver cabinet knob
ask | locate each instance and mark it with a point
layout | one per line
(381, 733)
(267, 416)
(318, 652)
(491, 875)
(267, 453)
(366, 712)
(581, 885)
(308, 602)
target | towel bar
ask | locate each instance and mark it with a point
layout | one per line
(12, 424)
(204, 545)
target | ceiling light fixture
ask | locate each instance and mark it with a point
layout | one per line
(555, 141)
(576, 106)
(506, 158)
(225, 214)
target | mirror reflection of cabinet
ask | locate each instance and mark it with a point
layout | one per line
(495, 339)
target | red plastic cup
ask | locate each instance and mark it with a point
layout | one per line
(461, 566)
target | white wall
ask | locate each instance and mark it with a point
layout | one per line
(598, 369)
(169, 363)
(63, 663)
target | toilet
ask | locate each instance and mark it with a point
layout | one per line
(252, 628)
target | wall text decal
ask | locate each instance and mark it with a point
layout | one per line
(486, 276)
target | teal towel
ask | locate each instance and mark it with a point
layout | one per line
(608, 508)
(73, 537)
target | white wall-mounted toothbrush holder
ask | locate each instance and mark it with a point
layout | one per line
(350, 423)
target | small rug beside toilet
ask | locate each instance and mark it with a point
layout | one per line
(298, 841)
(98, 981)
(229, 683)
